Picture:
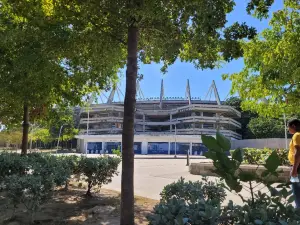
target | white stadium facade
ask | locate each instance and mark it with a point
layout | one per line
(162, 125)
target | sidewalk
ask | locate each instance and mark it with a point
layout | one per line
(167, 157)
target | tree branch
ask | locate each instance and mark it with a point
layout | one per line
(110, 34)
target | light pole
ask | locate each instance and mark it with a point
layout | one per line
(60, 129)
(285, 131)
(175, 156)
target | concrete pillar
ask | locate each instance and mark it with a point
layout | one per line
(144, 148)
(85, 143)
(144, 119)
(103, 147)
(171, 122)
(81, 146)
(191, 145)
(169, 148)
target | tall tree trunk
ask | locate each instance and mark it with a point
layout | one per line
(127, 184)
(25, 129)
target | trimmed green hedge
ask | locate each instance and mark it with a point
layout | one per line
(255, 156)
(31, 179)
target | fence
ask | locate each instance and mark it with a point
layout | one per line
(260, 143)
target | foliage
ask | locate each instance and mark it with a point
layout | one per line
(11, 137)
(259, 156)
(273, 207)
(61, 117)
(177, 211)
(191, 192)
(45, 62)
(246, 116)
(12, 164)
(229, 168)
(263, 127)
(31, 179)
(269, 81)
(266, 210)
(98, 171)
(41, 134)
(117, 152)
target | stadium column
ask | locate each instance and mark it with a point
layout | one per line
(143, 122)
(170, 122)
(144, 147)
(103, 147)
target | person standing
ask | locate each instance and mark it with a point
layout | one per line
(294, 158)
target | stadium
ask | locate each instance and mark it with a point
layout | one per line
(163, 125)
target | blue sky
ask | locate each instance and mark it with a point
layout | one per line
(200, 80)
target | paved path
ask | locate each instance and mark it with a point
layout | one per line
(151, 175)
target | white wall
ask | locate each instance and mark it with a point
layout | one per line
(260, 143)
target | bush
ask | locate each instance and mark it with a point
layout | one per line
(98, 171)
(29, 190)
(255, 156)
(177, 211)
(189, 203)
(117, 152)
(192, 192)
(31, 179)
(11, 164)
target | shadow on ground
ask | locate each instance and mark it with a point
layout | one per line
(73, 208)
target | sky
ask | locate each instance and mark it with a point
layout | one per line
(200, 80)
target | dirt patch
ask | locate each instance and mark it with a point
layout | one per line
(73, 208)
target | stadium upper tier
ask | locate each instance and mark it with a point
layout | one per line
(163, 116)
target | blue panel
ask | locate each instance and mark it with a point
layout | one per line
(111, 146)
(94, 147)
(181, 148)
(158, 147)
(137, 147)
(198, 149)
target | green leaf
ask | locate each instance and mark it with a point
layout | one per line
(238, 155)
(210, 155)
(291, 199)
(272, 162)
(246, 176)
(223, 141)
(211, 143)
(233, 184)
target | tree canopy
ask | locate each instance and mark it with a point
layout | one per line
(83, 42)
(246, 117)
(269, 81)
(263, 127)
(46, 61)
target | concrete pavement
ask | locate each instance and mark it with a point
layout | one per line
(151, 175)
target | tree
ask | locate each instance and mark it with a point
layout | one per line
(156, 31)
(269, 81)
(246, 116)
(45, 61)
(11, 137)
(263, 127)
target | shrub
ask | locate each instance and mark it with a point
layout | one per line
(117, 152)
(194, 191)
(98, 171)
(11, 164)
(258, 156)
(189, 203)
(178, 211)
(50, 167)
(29, 190)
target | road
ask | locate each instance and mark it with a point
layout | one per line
(151, 175)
